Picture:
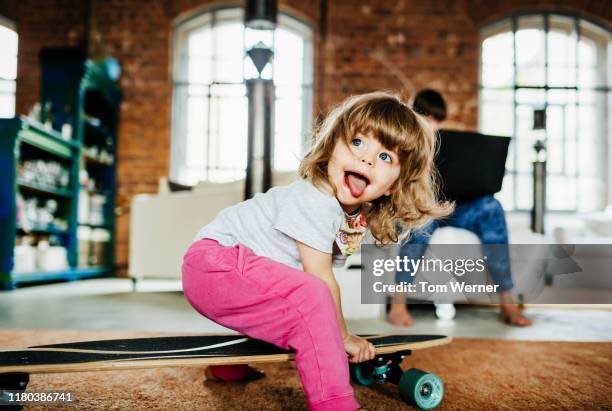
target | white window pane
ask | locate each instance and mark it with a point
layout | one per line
(289, 44)
(562, 76)
(530, 47)
(530, 51)
(570, 157)
(587, 53)
(288, 71)
(506, 195)
(8, 67)
(294, 91)
(228, 70)
(229, 41)
(7, 86)
(524, 191)
(196, 149)
(8, 53)
(201, 44)
(199, 71)
(588, 70)
(560, 192)
(496, 115)
(533, 97)
(7, 105)
(587, 120)
(8, 39)
(554, 156)
(497, 67)
(253, 37)
(197, 115)
(561, 58)
(591, 194)
(288, 134)
(232, 136)
(288, 65)
(562, 45)
(588, 153)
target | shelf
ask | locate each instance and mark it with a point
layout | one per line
(70, 274)
(40, 189)
(44, 230)
(52, 134)
(36, 135)
(102, 192)
(92, 271)
(94, 101)
(92, 160)
(98, 128)
(105, 226)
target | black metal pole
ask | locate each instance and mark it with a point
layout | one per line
(260, 94)
(539, 197)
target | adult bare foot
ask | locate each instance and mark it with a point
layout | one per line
(512, 314)
(399, 316)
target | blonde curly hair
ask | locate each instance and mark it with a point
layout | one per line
(413, 201)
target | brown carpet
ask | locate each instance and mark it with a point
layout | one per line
(478, 374)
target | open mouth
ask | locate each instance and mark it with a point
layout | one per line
(356, 182)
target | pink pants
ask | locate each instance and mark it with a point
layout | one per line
(273, 302)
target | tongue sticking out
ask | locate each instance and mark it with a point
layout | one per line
(356, 184)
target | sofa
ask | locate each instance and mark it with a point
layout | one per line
(163, 225)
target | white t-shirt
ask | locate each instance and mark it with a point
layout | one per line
(271, 222)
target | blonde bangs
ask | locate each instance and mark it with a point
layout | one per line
(390, 122)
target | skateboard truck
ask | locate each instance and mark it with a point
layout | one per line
(12, 381)
(417, 387)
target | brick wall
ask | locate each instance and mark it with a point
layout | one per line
(360, 46)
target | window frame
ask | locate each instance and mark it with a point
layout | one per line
(509, 24)
(212, 17)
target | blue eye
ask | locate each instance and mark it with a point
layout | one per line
(384, 157)
(356, 142)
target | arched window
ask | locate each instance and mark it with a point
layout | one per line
(8, 68)
(560, 66)
(209, 113)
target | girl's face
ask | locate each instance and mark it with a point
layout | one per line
(362, 171)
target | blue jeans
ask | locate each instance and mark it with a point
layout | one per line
(485, 218)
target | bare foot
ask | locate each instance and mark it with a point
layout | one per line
(399, 316)
(512, 314)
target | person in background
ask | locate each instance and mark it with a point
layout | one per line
(483, 216)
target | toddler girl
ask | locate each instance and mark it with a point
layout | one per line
(263, 267)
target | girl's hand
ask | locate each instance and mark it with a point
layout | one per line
(359, 349)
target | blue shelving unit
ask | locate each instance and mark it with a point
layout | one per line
(85, 95)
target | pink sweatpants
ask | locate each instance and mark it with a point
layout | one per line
(273, 302)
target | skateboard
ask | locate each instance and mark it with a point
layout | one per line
(417, 387)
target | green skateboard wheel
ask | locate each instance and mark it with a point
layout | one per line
(423, 389)
(362, 374)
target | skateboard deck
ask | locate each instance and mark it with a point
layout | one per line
(104, 355)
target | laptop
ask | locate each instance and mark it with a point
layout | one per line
(470, 164)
